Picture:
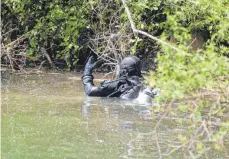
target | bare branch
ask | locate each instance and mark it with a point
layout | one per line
(143, 32)
(44, 52)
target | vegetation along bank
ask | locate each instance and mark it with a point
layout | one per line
(183, 45)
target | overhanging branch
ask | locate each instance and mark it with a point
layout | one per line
(143, 32)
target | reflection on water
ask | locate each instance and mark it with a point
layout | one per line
(115, 107)
(134, 122)
(48, 116)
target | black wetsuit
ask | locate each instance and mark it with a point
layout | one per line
(127, 86)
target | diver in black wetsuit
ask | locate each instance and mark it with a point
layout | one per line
(127, 86)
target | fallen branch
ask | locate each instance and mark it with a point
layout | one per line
(18, 39)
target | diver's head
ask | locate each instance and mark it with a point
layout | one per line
(130, 66)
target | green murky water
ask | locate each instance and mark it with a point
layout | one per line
(48, 116)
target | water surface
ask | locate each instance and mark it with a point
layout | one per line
(48, 116)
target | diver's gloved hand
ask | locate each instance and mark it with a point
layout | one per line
(148, 91)
(90, 65)
(152, 92)
(145, 95)
(155, 91)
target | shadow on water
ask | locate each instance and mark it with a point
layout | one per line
(49, 116)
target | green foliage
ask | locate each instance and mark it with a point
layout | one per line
(56, 25)
(189, 69)
(181, 75)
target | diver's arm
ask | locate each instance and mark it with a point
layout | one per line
(89, 87)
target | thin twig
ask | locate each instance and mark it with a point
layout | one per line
(10, 31)
(158, 147)
(191, 43)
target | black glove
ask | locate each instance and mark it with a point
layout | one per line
(90, 65)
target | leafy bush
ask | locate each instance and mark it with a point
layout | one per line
(194, 80)
(191, 68)
(57, 26)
